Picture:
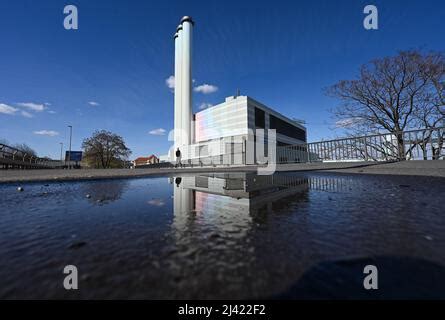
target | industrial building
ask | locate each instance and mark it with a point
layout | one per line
(234, 132)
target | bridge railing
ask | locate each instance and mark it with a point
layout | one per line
(13, 157)
(419, 144)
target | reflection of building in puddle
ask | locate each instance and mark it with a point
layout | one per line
(228, 202)
(335, 184)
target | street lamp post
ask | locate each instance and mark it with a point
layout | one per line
(69, 154)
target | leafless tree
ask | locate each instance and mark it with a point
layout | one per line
(390, 94)
(26, 149)
(104, 149)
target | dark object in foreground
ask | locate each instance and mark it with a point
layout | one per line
(398, 278)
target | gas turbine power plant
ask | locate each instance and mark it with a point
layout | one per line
(234, 132)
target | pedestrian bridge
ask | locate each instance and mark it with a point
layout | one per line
(13, 158)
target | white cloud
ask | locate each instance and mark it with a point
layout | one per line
(26, 114)
(93, 103)
(47, 104)
(5, 109)
(49, 133)
(158, 132)
(51, 111)
(205, 105)
(206, 88)
(170, 82)
(32, 106)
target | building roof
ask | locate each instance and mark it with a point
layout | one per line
(145, 158)
(247, 99)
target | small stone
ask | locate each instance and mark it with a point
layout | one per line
(429, 238)
(88, 196)
(20, 189)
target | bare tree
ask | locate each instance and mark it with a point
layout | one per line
(437, 70)
(390, 94)
(104, 149)
(26, 149)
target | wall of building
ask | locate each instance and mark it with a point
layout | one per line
(288, 132)
(223, 120)
(225, 131)
(269, 124)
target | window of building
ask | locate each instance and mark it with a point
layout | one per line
(260, 119)
(286, 128)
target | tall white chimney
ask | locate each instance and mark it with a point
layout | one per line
(186, 76)
(178, 87)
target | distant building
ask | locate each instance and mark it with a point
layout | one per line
(145, 160)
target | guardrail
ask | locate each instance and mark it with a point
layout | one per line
(13, 158)
(420, 144)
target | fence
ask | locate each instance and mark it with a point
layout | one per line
(421, 144)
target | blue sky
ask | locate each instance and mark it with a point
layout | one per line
(111, 73)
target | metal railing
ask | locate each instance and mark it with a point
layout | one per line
(13, 158)
(420, 144)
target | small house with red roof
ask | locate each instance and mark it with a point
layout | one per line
(145, 160)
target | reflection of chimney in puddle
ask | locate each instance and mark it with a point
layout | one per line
(182, 202)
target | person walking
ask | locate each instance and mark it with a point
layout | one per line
(178, 158)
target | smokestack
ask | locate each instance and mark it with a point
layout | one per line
(178, 87)
(186, 76)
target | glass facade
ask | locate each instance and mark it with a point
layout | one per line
(287, 129)
(221, 121)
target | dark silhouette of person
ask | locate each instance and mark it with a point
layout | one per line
(178, 158)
